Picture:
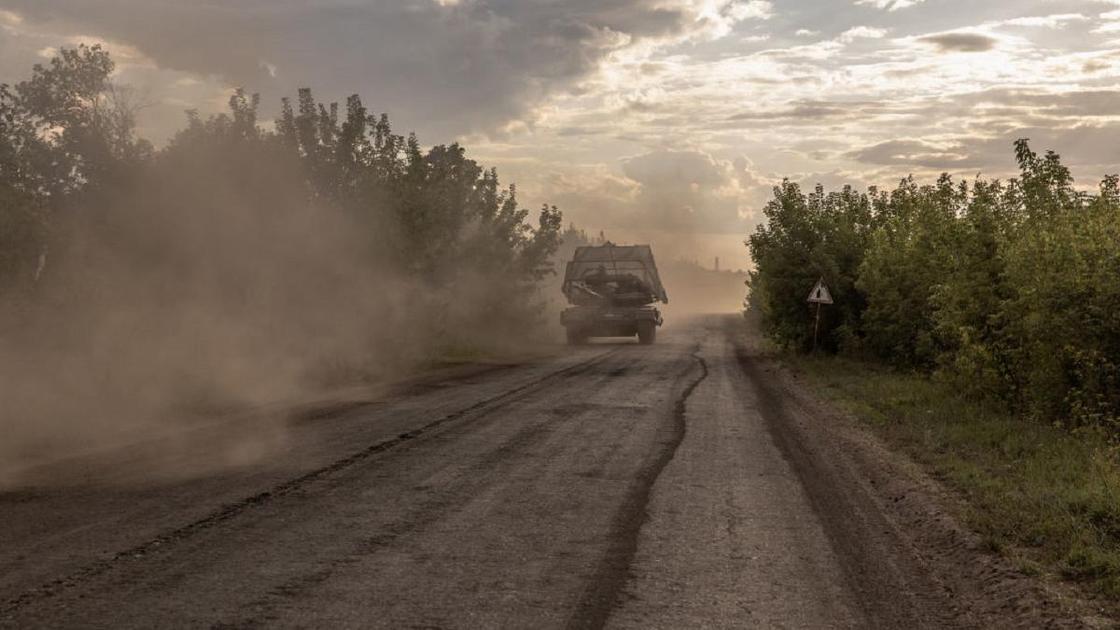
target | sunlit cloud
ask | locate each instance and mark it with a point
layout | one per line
(862, 32)
(678, 113)
(890, 5)
(1043, 21)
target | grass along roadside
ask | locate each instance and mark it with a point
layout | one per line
(1047, 498)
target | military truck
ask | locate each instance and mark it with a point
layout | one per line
(612, 290)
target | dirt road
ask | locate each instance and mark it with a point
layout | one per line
(687, 484)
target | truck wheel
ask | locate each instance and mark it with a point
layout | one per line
(647, 333)
(575, 337)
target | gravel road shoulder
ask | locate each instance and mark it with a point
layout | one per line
(902, 513)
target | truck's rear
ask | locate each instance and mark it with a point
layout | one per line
(612, 290)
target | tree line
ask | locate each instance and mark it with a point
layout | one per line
(252, 220)
(1007, 289)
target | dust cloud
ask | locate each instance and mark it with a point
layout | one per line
(189, 295)
(697, 290)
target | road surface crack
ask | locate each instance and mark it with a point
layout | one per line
(605, 588)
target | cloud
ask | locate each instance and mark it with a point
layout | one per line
(688, 191)
(1077, 104)
(1089, 148)
(663, 190)
(913, 153)
(813, 112)
(1043, 21)
(752, 9)
(890, 5)
(453, 67)
(861, 32)
(960, 42)
(631, 113)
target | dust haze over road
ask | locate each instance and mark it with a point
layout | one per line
(686, 484)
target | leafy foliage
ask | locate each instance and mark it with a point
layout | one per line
(256, 219)
(1008, 290)
(809, 237)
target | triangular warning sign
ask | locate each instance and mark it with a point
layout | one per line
(820, 294)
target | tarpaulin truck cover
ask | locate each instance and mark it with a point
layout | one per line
(616, 260)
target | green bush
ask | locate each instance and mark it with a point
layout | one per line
(1008, 290)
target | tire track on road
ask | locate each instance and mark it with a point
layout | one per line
(469, 484)
(232, 510)
(884, 570)
(601, 595)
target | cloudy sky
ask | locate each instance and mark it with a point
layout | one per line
(666, 120)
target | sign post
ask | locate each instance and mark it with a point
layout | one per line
(819, 295)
